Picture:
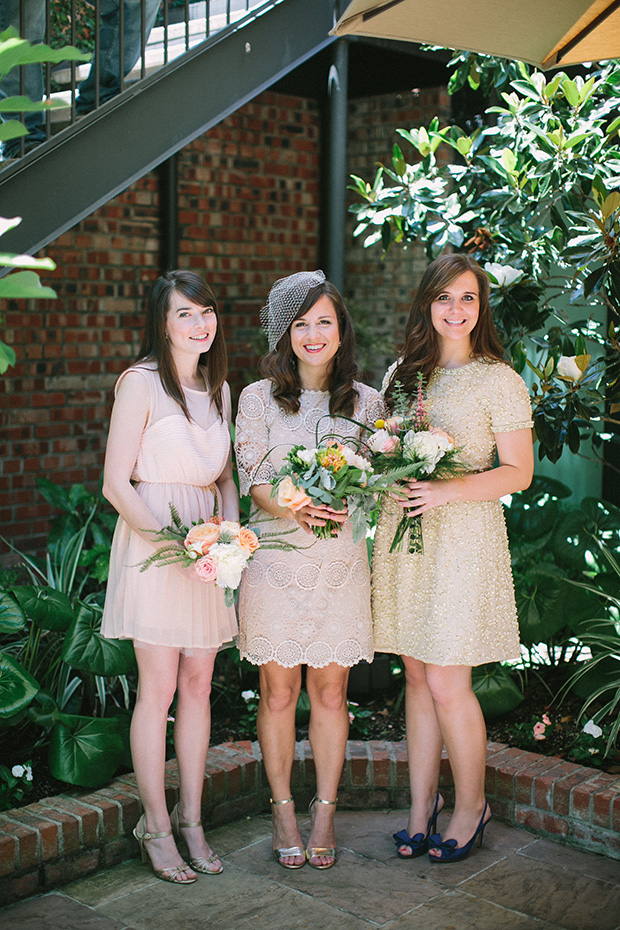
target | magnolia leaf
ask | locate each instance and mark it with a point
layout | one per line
(611, 204)
(17, 687)
(509, 160)
(85, 751)
(6, 224)
(582, 361)
(23, 284)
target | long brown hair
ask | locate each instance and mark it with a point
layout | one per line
(280, 366)
(422, 346)
(155, 346)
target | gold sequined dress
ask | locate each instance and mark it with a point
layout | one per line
(454, 604)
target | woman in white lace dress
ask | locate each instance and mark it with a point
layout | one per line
(309, 606)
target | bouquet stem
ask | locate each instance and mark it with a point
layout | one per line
(327, 531)
(408, 536)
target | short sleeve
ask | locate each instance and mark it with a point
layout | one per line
(372, 406)
(509, 404)
(252, 437)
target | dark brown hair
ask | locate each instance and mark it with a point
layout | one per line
(280, 365)
(422, 346)
(155, 346)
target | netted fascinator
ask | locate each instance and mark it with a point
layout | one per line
(284, 303)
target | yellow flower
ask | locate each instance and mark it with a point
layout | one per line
(332, 458)
(379, 424)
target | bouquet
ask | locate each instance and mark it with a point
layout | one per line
(407, 439)
(219, 550)
(331, 474)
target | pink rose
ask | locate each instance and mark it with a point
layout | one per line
(539, 731)
(206, 569)
(201, 537)
(289, 495)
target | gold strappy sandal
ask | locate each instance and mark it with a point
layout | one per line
(198, 863)
(170, 874)
(313, 851)
(287, 852)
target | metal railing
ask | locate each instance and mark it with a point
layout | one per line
(130, 40)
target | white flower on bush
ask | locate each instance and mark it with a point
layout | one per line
(22, 771)
(568, 368)
(248, 695)
(230, 560)
(425, 447)
(592, 729)
(502, 275)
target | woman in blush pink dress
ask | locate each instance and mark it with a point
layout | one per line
(169, 443)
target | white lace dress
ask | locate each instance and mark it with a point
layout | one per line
(308, 606)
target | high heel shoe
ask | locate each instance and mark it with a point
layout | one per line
(198, 863)
(170, 874)
(287, 852)
(449, 850)
(312, 852)
(418, 843)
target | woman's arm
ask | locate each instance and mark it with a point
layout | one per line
(514, 473)
(225, 482)
(129, 416)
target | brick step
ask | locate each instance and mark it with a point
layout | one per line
(59, 839)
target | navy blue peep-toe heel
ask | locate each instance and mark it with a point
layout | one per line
(418, 843)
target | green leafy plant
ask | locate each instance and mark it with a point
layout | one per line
(533, 194)
(15, 784)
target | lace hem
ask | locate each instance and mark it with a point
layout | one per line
(290, 653)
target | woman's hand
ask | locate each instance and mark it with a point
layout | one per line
(417, 497)
(318, 515)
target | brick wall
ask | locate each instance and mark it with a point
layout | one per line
(248, 213)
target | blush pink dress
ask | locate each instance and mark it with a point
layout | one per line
(178, 462)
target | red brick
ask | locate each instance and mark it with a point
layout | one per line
(541, 821)
(583, 794)
(562, 789)
(8, 849)
(544, 784)
(26, 839)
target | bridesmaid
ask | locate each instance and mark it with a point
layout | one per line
(452, 607)
(310, 606)
(169, 442)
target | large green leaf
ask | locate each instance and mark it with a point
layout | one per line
(533, 512)
(15, 51)
(11, 615)
(54, 494)
(86, 649)
(538, 600)
(17, 687)
(48, 608)
(7, 357)
(85, 751)
(495, 689)
(572, 541)
(24, 285)
(9, 260)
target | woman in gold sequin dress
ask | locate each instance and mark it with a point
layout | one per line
(453, 606)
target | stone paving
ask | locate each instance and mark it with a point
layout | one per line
(516, 881)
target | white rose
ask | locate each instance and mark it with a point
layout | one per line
(357, 461)
(306, 455)
(17, 771)
(229, 528)
(425, 447)
(568, 368)
(592, 729)
(502, 275)
(230, 560)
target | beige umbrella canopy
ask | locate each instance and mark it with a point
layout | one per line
(546, 33)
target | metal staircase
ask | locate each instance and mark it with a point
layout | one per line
(72, 174)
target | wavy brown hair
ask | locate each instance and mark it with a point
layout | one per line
(422, 347)
(280, 365)
(155, 346)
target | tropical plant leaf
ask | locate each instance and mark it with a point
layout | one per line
(11, 615)
(87, 650)
(17, 687)
(538, 610)
(24, 284)
(495, 689)
(48, 608)
(85, 751)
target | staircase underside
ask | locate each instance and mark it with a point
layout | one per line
(86, 165)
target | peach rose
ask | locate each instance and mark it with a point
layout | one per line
(247, 539)
(441, 432)
(289, 495)
(201, 537)
(206, 569)
(392, 424)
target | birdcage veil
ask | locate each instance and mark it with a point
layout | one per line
(284, 302)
